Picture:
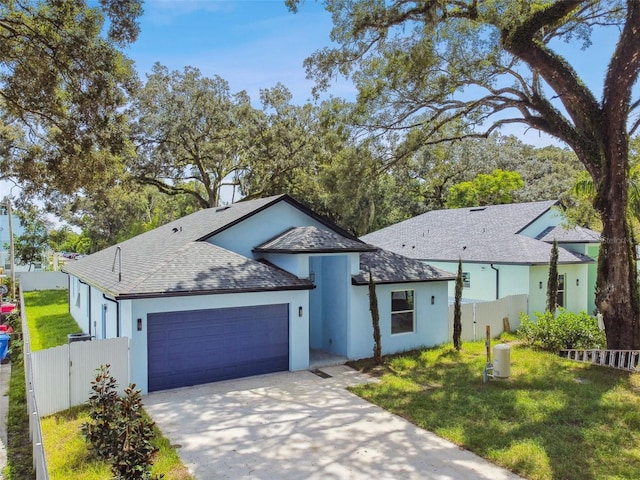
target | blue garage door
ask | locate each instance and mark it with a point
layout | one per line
(202, 346)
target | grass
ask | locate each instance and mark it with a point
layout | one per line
(48, 318)
(70, 459)
(19, 454)
(66, 450)
(552, 419)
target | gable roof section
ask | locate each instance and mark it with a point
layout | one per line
(389, 267)
(478, 234)
(312, 240)
(162, 261)
(572, 235)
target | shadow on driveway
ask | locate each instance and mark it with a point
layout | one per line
(297, 425)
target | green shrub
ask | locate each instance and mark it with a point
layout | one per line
(119, 432)
(101, 432)
(133, 458)
(564, 331)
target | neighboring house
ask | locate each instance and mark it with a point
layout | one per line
(5, 239)
(505, 250)
(251, 288)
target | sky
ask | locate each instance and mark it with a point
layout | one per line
(254, 44)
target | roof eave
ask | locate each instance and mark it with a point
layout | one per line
(499, 262)
(185, 293)
(102, 288)
(322, 250)
(355, 281)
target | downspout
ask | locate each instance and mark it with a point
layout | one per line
(88, 301)
(497, 281)
(117, 313)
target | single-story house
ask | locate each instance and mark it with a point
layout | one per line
(251, 288)
(505, 250)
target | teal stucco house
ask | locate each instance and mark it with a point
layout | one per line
(505, 250)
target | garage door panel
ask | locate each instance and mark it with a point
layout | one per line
(190, 348)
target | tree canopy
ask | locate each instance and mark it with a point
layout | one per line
(189, 132)
(495, 188)
(425, 65)
(63, 83)
(31, 245)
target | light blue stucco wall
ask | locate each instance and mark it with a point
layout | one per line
(551, 218)
(88, 314)
(577, 288)
(512, 279)
(262, 226)
(335, 274)
(297, 264)
(525, 279)
(298, 326)
(131, 310)
(431, 320)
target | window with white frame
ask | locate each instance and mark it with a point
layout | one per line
(402, 311)
(561, 290)
(466, 279)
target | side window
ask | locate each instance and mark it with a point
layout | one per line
(402, 311)
(561, 290)
(466, 279)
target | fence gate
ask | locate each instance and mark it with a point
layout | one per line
(62, 375)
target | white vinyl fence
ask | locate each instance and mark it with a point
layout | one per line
(30, 281)
(35, 432)
(475, 316)
(62, 375)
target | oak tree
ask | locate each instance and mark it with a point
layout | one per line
(63, 83)
(429, 63)
(188, 131)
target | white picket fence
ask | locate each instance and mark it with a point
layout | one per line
(619, 359)
(476, 316)
(62, 375)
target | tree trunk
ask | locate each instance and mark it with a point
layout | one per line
(375, 320)
(552, 281)
(617, 274)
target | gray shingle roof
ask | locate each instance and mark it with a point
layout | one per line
(200, 267)
(480, 234)
(571, 235)
(388, 267)
(167, 261)
(312, 240)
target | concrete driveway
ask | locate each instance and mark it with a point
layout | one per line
(297, 425)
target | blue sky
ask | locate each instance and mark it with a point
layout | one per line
(254, 44)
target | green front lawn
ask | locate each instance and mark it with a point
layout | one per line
(67, 454)
(552, 419)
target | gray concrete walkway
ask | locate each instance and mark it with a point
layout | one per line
(299, 425)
